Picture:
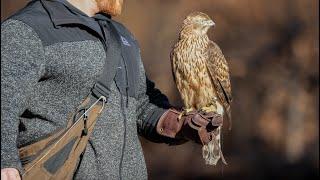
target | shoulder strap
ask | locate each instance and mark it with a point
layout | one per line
(113, 53)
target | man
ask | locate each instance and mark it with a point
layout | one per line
(52, 53)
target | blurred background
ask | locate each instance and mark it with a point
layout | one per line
(272, 47)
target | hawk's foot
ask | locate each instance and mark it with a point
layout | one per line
(188, 110)
(185, 112)
(211, 108)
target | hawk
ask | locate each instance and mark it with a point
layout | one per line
(201, 74)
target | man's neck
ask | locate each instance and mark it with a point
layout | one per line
(89, 7)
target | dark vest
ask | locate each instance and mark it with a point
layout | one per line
(55, 22)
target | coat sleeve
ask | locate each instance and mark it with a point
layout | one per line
(151, 105)
(22, 58)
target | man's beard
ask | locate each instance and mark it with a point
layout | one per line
(111, 7)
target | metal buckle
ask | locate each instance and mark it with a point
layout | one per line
(85, 128)
(85, 115)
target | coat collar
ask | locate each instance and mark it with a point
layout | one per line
(61, 12)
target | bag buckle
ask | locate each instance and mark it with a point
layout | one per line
(85, 128)
(85, 115)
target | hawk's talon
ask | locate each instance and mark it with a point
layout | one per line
(184, 112)
(180, 116)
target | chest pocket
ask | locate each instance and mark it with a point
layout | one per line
(127, 75)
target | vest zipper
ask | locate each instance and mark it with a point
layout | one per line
(122, 112)
(124, 134)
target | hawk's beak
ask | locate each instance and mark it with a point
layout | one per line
(209, 23)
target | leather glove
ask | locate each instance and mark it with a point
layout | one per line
(196, 125)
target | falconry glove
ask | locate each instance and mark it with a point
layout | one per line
(195, 125)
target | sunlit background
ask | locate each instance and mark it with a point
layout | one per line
(272, 47)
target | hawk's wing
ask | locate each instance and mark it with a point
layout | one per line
(173, 64)
(219, 72)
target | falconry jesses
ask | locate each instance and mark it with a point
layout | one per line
(202, 76)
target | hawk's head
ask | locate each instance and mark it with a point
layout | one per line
(196, 23)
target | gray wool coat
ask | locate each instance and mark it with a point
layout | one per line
(51, 56)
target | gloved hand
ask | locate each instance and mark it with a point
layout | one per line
(194, 125)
